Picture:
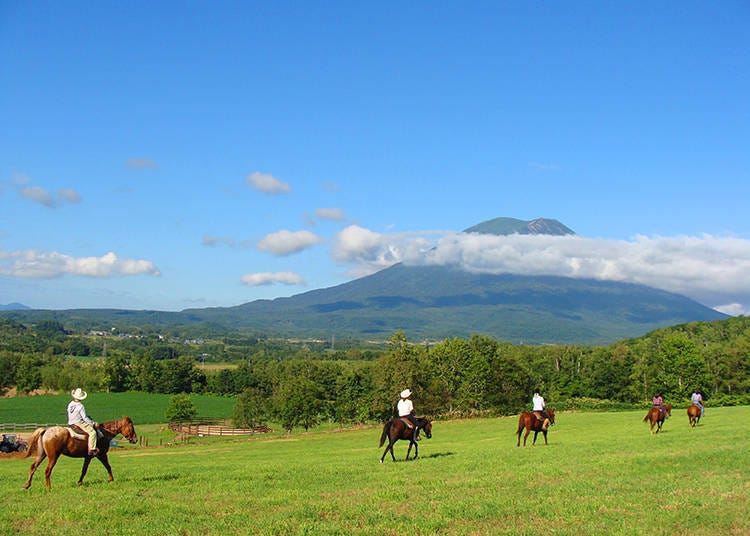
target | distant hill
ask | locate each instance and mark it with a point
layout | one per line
(14, 307)
(437, 302)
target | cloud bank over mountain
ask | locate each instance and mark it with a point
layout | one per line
(712, 270)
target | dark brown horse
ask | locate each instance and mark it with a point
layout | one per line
(54, 441)
(694, 415)
(532, 423)
(655, 417)
(396, 429)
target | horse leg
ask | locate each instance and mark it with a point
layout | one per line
(389, 447)
(48, 471)
(411, 442)
(536, 433)
(86, 462)
(545, 436)
(528, 431)
(105, 462)
(39, 459)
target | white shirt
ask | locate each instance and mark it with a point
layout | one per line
(696, 398)
(77, 413)
(405, 407)
(538, 403)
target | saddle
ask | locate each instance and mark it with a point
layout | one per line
(79, 433)
(407, 422)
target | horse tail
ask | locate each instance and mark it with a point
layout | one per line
(35, 442)
(384, 435)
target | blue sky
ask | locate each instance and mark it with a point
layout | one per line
(165, 155)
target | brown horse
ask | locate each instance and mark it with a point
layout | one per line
(532, 423)
(655, 417)
(396, 429)
(57, 440)
(694, 415)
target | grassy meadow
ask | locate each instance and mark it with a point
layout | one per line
(602, 473)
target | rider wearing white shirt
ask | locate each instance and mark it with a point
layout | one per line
(405, 409)
(539, 408)
(77, 415)
(697, 399)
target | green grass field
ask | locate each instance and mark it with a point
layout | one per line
(142, 408)
(602, 473)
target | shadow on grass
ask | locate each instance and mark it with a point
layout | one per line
(438, 455)
(161, 478)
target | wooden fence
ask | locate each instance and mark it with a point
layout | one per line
(204, 427)
(23, 427)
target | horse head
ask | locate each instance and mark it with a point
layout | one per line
(551, 413)
(128, 430)
(426, 425)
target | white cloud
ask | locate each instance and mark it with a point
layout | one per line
(71, 196)
(263, 182)
(268, 278)
(213, 241)
(734, 309)
(332, 214)
(47, 264)
(38, 195)
(711, 270)
(287, 242)
(44, 197)
(370, 251)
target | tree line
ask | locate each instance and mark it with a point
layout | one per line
(300, 385)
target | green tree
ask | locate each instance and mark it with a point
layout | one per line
(298, 403)
(180, 408)
(117, 374)
(251, 408)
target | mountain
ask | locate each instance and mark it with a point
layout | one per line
(508, 226)
(14, 307)
(437, 302)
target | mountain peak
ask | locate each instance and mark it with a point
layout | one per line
(509, 226)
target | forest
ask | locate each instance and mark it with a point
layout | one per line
(301, 383)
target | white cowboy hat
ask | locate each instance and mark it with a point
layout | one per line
(79, 394)
(406, 393)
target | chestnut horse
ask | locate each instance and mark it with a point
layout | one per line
(396, 429)
(694, 415)
(532, 423)
(56, 440)
(656, 418)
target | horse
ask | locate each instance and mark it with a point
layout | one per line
(531, 422)
(655, 417)
(396, 429)
(694, 414)
(57, 440)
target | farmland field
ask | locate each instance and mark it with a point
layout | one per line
(602, 473)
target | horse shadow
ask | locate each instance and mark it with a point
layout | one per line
(439, 455)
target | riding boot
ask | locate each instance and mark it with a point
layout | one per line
(545, 424)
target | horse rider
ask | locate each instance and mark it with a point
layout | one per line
(406, 411)
(539, 407)
(77, 416)
(697, 399)
(658, 402)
